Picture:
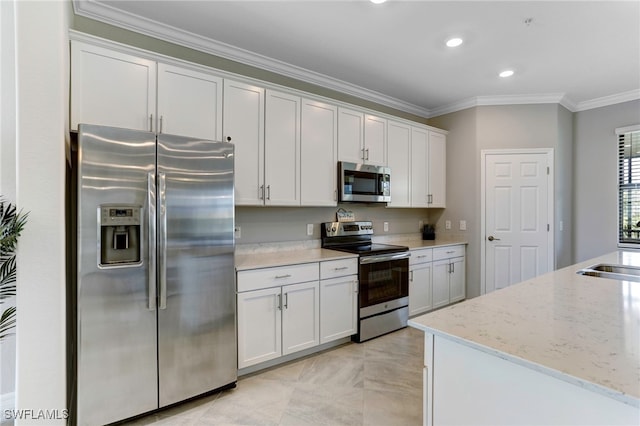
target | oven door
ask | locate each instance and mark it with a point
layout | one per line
(383, 278)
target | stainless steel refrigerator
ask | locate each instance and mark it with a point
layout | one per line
(153, 300)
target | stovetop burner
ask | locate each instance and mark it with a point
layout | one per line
(354, 237)
(365, 249)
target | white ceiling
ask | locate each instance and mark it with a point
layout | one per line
(579, 53)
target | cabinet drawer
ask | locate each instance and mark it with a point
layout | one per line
(282, 275)
(421, 256)
(338, 268)
(448, 252)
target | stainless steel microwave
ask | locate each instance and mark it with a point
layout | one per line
(363, 183)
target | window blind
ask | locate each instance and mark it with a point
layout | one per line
(629, 187)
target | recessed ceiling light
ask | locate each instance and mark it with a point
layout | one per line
(454, 42)
(377, 1)
(506, 73)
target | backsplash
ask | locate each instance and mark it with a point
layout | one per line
(279, 224)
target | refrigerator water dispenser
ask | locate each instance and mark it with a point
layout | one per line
(120, 242)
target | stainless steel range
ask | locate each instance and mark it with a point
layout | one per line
(383, 274)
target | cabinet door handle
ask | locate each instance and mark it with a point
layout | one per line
(268, 192)
(367, 151)
(411, 276)
(261, 192)
(286, 300)
(161, 117)
(341, 268)
(151, 123)
(279, 302)
(362, 153)
(355, 286)
(279, 277)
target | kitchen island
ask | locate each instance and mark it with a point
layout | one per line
(561, 348)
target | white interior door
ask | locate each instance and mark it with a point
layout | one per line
(517, 216)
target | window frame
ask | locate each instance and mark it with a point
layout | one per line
(619, 132)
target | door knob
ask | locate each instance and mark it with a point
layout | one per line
(491, 238)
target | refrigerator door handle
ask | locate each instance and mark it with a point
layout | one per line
(151, 241)
(162, 243)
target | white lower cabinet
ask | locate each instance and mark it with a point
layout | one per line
(338, 299)
(420, 281)
(277, 320)
(448, 275)
(286, 309)
(259, 326)
(300, 317)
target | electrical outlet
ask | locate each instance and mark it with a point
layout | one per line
(309, 228)
(463, 225)
(386, 226)
(447, 224)
(237, 232)
(420, 225)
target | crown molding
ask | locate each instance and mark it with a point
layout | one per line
(548, 98)
(113, 16)
(116, 17)
(631, 95)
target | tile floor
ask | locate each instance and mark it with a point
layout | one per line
(378, 382)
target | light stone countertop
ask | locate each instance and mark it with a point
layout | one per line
(287, 257)
(580, 329)
(254, 256)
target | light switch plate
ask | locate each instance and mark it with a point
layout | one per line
(386, 226)
(309, 228)
(237, 232)
(447, 224)
(463, 225)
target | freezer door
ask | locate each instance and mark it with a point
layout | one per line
(115, 321)
(196, 279)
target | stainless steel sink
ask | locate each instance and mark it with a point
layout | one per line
(615, 272)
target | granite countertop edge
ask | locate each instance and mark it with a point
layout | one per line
(582, 383)
(545, 322)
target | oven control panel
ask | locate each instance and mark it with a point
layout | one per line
(336, 229)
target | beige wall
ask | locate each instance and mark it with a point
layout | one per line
(596, 177)
(275, 224)
(501, 127)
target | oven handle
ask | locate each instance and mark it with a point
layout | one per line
(384, 257)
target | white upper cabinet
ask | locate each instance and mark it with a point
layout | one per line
(115, 89)
(111, 89)
(399, 158)
(417, 159)
(437, 169)
(319, 154)
(243, 126)
(282, 149)
(362, 138)
(375, 140)
(419, 167)
(189, 103)
(350, 135)
(287, 146)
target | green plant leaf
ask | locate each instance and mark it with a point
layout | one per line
(11, 225)
(7, 321)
